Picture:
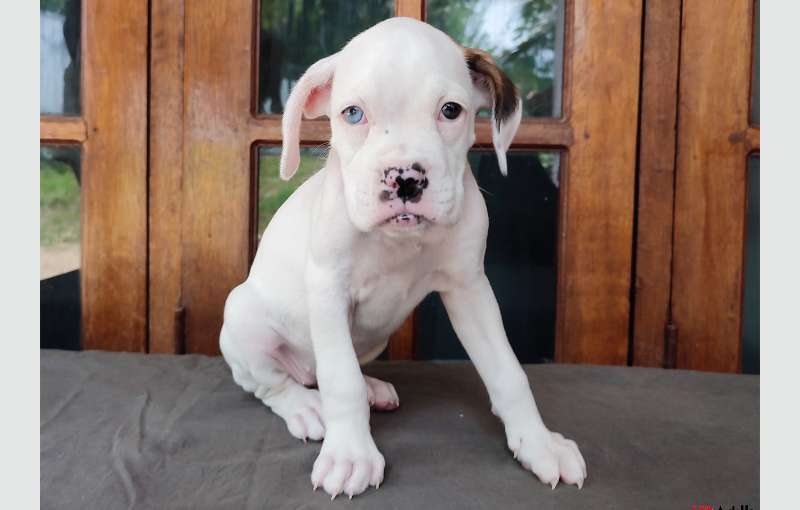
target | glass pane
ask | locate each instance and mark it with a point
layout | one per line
(755, 88)
(520, 259)
(272, 190)
(297, 33)
(60, 57)
(525, 37)
(59, 245)
(751, 319)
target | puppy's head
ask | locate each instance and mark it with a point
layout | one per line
(402, 98)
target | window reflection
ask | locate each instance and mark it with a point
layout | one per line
(520, 259)
(59, 57)
(526, 38)
(272, 190)
(521, 252)
(297, 33)
(751, 314)
(59, 247)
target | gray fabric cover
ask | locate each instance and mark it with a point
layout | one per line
(152, 431)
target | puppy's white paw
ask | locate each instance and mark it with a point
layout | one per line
(306, 423)
(382, 395)
(301, 409)
(549, 456)
(347, 464)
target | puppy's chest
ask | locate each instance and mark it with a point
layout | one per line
(384, 290)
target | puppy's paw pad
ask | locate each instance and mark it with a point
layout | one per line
(550, 457)
(381, 395)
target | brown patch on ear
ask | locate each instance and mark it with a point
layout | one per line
(485, 73)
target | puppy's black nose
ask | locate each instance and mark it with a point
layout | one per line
(409, 189)
(404, 183)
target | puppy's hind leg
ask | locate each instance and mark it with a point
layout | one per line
(300, 407)
(258, 361)
(381, 394)
(266, 378)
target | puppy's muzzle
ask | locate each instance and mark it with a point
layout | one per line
(401, 197)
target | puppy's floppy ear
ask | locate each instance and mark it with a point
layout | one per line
(310, 96)
(498, 93)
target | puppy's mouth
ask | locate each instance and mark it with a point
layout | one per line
(406, 220)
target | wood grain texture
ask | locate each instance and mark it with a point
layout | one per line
(53, 129)
(410, 8)
(217, 207)
(166, 168)
(267, 129)
(657, 138)
(532, 132)
(711, 182)
(401, 343)
(597, 212)
(752, 137)
(114, 177)
(541, 133)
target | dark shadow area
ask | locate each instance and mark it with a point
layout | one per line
(520, 259)
(751, 309)
(60, 312)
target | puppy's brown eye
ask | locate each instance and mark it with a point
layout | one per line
(451, 110)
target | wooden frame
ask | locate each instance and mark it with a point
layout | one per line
(714, 141)
(216, 210)
(166, 172)
(170, 130)
(657, 145)
(694, 143)
(597, 214)
(596, 136)
(55, 129)
(112, 134)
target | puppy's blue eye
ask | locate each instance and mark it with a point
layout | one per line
(353, 114)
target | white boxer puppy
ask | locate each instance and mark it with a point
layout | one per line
(394, 215)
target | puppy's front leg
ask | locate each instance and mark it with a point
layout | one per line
(349, 461)
(475, 315)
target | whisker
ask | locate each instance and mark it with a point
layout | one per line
(488, 193)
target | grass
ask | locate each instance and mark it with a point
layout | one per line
(59, 194)
(59, 204)
(272, 190)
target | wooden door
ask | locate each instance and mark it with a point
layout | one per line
(715, 138)
(699, 142)
(93, 134)
(205, 85)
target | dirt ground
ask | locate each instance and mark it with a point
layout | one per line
(58, 259)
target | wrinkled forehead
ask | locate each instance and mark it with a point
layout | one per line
(398, 59)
